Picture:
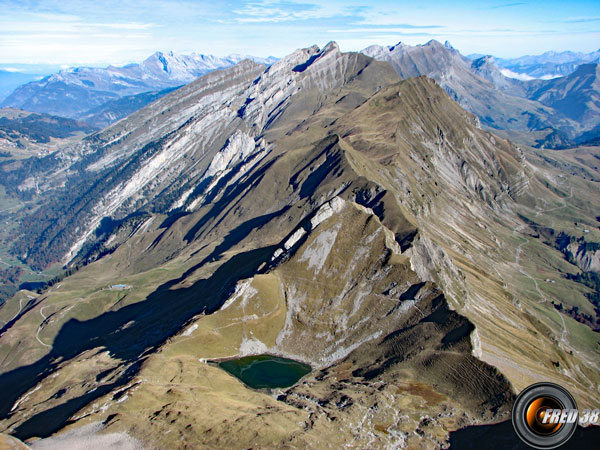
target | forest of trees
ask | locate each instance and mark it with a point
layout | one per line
(41, 127)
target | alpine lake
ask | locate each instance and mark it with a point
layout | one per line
(266, 371)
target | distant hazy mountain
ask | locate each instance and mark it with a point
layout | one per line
(10, 80)
(75, 92)
(471, 84)
(547, 65)
(17, 125)
(113, 110)
(577, 95)
(551, 113)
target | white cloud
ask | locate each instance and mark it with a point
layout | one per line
(517, 76)
(117, 31)
(123, 26)
(55, 17)
(63, 38)
(411, 30)
(28, 26)
(283, 11)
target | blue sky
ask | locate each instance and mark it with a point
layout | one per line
(100, 32)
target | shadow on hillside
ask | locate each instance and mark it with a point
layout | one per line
(238, 234)
(161, 315)
(502, 436)
(231, 192)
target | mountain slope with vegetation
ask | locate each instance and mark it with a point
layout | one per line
(322, 209)
(554, 113)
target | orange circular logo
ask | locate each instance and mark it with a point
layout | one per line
(545, 415)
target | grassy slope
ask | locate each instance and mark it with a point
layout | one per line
(518, 334)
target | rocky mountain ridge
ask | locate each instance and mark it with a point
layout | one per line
(76, 92)
(321, 209)
(550, 64)
(517, 109)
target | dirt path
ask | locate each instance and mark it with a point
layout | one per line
(74, 302)
(517, 233)
(521, 269)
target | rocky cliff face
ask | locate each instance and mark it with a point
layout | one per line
(487, 67)
(138, 164)
(586, 259)
(77, 92)
(558, 112)
(456, 75)
(321, 209)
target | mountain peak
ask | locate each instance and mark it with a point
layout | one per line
(400, 45)
(483, 60)
(434, 43)
(331, 46)
(61, 93)
(322, 208)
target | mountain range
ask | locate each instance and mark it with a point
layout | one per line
(551, 113)
(548, 65)
(12, 79)
(340, 209)
(554, 113)
(82, 92)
